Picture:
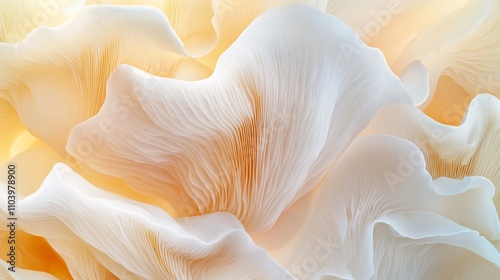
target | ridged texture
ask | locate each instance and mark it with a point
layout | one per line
(253, 139)
(283, 103)
(56, 78)
(464, 47)
(452, 38)
(471, 149)
(474, 62)
(381, 216)
(191, 20)
(131, 240)
(66, 68)
(208, 28)
(457, 39)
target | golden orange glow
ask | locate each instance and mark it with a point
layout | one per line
(450, 102)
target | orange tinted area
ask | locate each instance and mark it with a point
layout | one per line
(35, 253)
(450, 102)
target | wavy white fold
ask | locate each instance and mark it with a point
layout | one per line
(471, 149)
(381, 216)
(101, 235)
(284, 101)
(457, 38)
(56, 77)
(464, 45)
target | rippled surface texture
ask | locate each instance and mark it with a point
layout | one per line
(263, 139)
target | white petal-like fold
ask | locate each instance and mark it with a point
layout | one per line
(381, 216)
(464, 45)
(66, 68)
(284, 101)
(99, 233)
(457, 38)
(454, 38)
(471, 149)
